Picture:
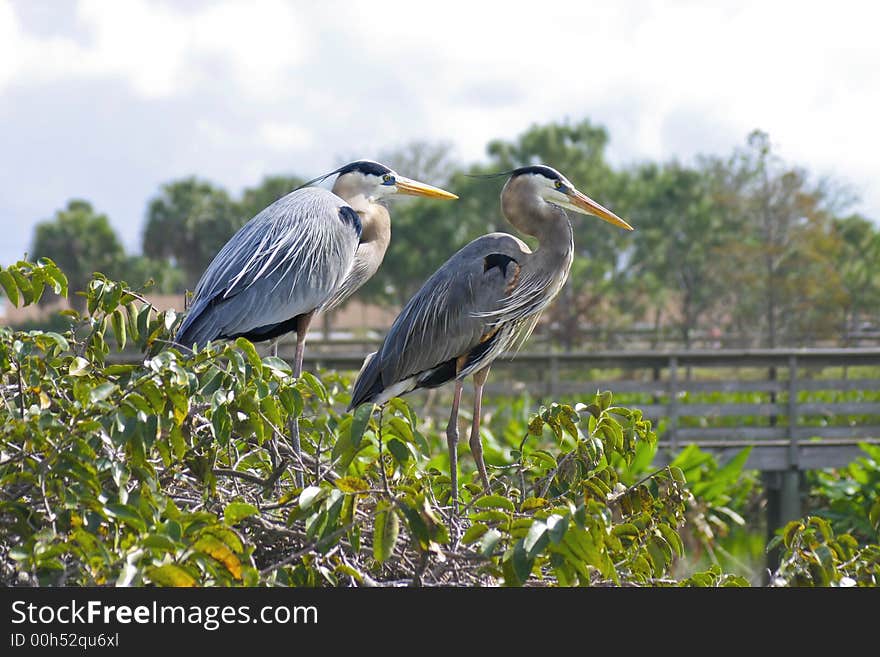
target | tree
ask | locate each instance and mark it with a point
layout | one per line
(81, 241)
(679, 242)
(188, 223)
(782, 285)
(272, 188)
(144, 273)
(858, 262)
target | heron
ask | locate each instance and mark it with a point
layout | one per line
(308, 251)
(484, 300)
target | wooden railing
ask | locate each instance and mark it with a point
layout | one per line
(786, 431)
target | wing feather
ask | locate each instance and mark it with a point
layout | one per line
(444, 319)
(284, 262)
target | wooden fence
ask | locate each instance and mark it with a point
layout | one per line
(800, 416)
(785, 430)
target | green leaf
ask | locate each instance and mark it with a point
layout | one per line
(494, 502)
(24, 285)
(117, 321)
(360, 421)
(474, 533)
(557, 526)
(101, 392)
(398, 450)
(250, 353)
(490, 540)
(126, 514)
(385, 533)
(278, 365)
(672, 538)
(522, 562)
(532, 503)
(536, 539)
(238, 511)
(874, 515)
(489, 516)
(79, 366)
(159, 542)
(310, 495)
(352, 485)
(9, 286)
(170, 575)
(314, 385)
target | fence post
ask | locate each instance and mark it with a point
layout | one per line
(673, 403)
(791, 500)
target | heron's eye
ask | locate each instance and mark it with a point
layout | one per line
(388, 179)
(558, 184)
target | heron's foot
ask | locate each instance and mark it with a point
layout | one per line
(456, 523)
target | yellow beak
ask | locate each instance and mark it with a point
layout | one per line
(416, 188)
(590, 206)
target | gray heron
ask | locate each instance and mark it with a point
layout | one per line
(308, 251)
(484, 300)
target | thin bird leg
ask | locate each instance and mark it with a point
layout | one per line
(302, 328)
(452, 441)
(476, 446)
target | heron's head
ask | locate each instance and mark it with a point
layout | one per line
(375, 182)
(552, 187)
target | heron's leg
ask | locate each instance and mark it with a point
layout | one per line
(302, 328)
(476, 446)
(452, 441)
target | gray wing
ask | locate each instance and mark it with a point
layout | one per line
(365, 265)
(284, 262)
(444, 319)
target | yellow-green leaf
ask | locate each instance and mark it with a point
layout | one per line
(218, 550)
(385, 534)
(170, 575)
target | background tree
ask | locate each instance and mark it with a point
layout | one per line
(187, 224)
(81, 241)
(272, 188)
(680, 239)
(781, 282)
(151, 275)
(858, 262)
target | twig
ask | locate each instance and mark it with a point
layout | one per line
(554, 472)
(301, 553)
(225, 472)
(20, 389)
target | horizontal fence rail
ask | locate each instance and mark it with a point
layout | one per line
(788, 427)
(799, 409)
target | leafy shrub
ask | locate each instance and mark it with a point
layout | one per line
(847, 497)
(815, 556)
(176, 471)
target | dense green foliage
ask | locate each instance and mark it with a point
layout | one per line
(742, 249)
(176, 471)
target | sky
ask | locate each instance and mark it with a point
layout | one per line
(108, 99)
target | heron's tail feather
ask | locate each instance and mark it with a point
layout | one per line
(368, 386)
(199, 326)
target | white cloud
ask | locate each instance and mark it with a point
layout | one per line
(236, 90)
(160, 50)
(284, 136)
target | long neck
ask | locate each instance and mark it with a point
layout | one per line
(374, 241)
(532, 215)
(375, 220)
